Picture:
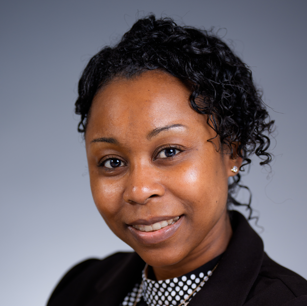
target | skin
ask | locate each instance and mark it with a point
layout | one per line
(136, 178)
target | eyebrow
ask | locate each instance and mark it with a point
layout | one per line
(105, 139)
(156, 131)
(152, 134)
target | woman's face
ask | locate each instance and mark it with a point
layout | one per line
(152, 167)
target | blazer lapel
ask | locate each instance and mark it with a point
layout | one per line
(237, 271)
(113, 287)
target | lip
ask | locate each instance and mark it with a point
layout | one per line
(155, 237)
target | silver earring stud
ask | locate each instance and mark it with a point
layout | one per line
(234, 169)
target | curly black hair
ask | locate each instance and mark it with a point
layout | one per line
(221, 84)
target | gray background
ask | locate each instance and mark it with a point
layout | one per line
(47, 217)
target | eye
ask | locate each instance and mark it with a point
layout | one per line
(168, 152)
(112, 163)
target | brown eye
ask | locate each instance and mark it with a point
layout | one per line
(113, 163)
(168, 152)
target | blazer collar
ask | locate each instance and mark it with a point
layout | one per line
(237, 270)
(117, 283)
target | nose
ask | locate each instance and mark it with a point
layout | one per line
(143, 183)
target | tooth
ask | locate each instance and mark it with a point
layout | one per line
(164, 223)
(148, 228)
(156, 226)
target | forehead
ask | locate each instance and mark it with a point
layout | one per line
(140, 104)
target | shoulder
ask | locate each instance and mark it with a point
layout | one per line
(255, 278)
(81, 281)
(278, 284)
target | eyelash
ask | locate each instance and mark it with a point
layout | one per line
(163, 149)
(177, 149)
(103, 163)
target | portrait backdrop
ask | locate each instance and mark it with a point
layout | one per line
(48, 219)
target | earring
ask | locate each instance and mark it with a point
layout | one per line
(234, 169)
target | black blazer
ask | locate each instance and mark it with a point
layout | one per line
(245, 276)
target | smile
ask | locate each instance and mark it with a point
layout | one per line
(157, 232)
(155, 226)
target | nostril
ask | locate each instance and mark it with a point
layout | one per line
(135, 202)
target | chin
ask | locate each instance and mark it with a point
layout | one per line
(162, 258)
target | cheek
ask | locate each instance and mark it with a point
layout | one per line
(107, 197)
(189, 177)
(202, 184)
(188, 183)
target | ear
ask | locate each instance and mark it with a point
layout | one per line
(234, 163)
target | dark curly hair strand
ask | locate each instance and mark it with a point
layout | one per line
(221, 84)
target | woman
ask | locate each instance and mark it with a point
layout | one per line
(169, 116)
